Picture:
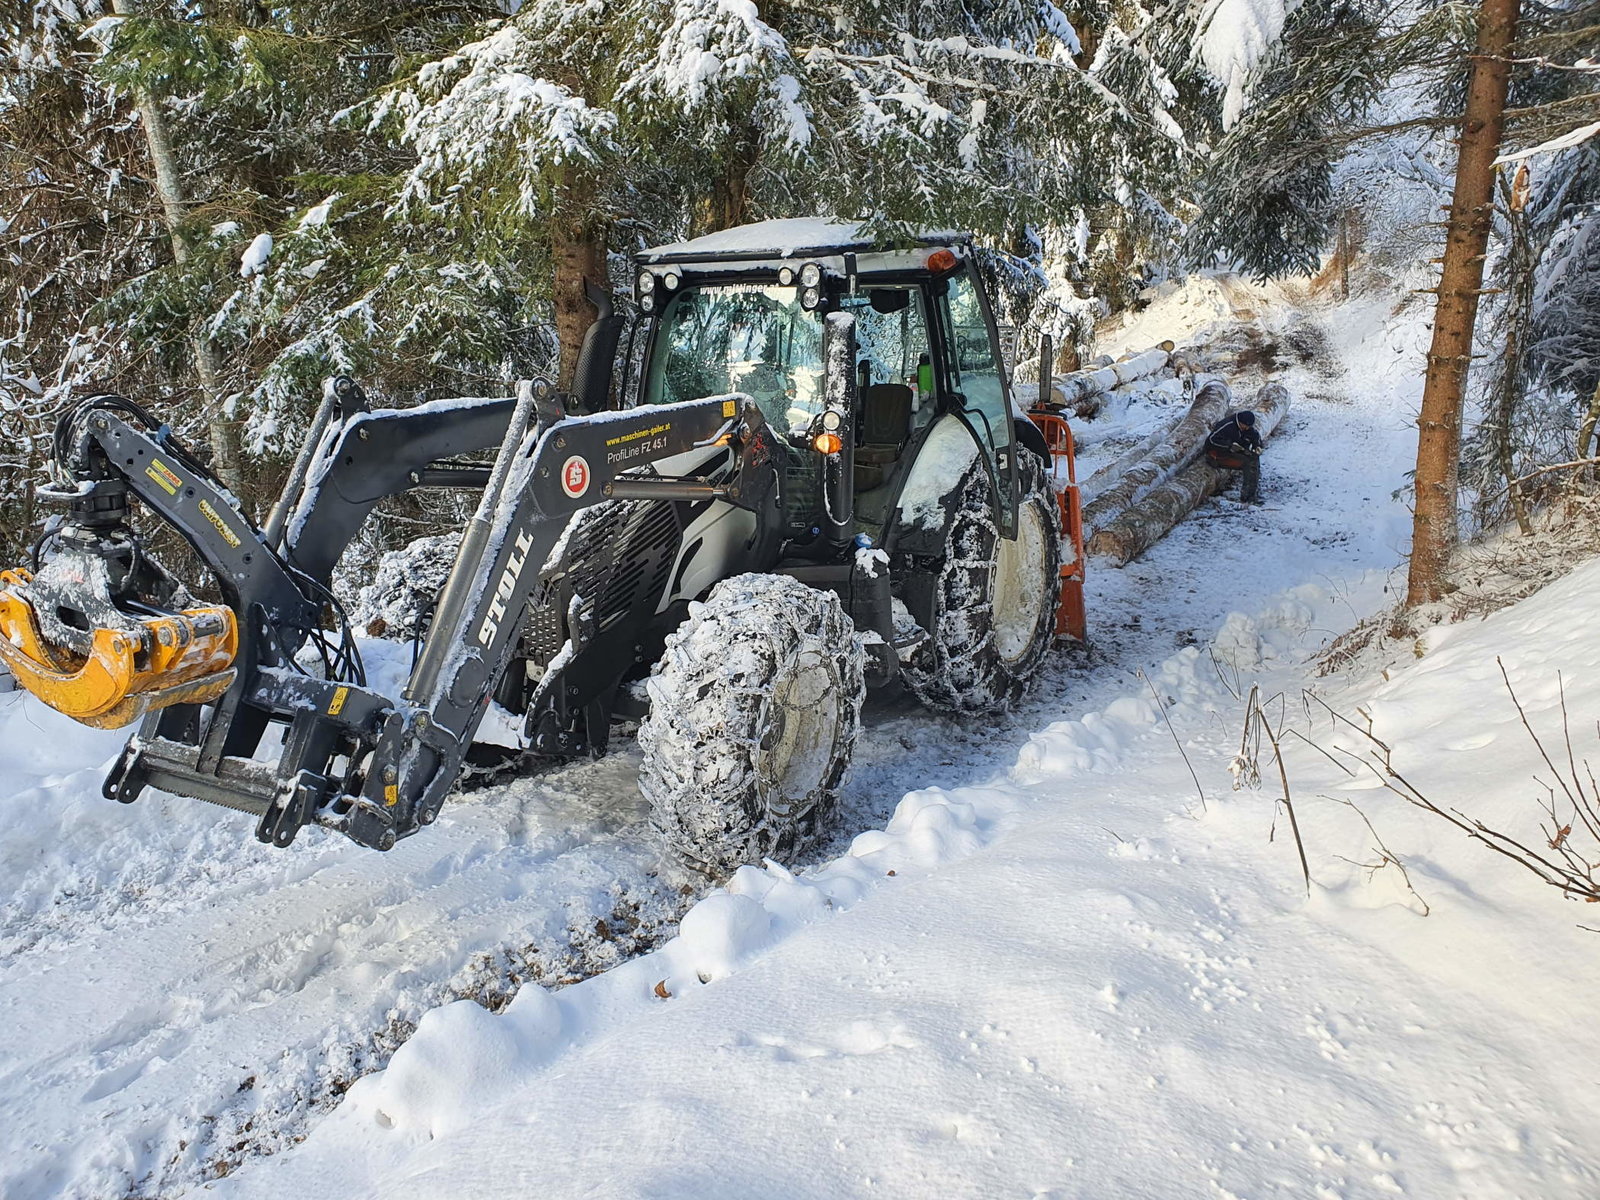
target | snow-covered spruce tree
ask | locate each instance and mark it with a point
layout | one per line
(583, 122)
(1539, 385)
(236, 104)
(516, 139)
(74, 222)
(1295, 110)
(1563, 340)
(1553, 104)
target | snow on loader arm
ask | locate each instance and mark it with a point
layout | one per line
(100, 632)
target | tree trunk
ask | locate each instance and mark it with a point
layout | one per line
(223, 434)
(578, 251)
(1586, 430)
(732, 193)
(727, 203)
(1510, 381)
(1344, 254)
(1090, 489)
(1434, 527)
(1144, 524)
(1188, 438)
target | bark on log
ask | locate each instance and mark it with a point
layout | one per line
(1089, 490)
(1165, 460)
(1072, 391)
(1144, 524)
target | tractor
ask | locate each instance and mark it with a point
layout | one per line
(817, 483)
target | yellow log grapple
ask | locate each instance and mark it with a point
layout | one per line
(147, 664)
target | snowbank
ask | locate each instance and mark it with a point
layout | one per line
(1071, 981)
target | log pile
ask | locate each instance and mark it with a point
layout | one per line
(1083, 392)
(1180, 446)
(1150, 516)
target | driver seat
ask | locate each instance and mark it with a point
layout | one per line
(884, 430)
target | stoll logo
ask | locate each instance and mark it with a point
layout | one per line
(505, 589)
(575, 476)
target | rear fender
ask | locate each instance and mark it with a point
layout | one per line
(926, 504)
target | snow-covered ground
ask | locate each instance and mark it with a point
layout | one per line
(1040, 961)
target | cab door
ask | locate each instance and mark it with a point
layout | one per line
(975, 385)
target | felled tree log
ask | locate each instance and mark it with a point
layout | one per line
(1166, 458)
(1144, 524)
(1089, 490)
(1078, 391)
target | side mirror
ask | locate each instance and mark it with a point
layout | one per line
(834, 433)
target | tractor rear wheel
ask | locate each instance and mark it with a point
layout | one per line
(754, 711)
(994, 599)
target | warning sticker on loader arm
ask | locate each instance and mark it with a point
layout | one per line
(163, 477)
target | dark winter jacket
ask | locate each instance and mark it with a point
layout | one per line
(1227, 433)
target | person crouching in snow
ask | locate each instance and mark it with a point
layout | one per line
(1234, 445)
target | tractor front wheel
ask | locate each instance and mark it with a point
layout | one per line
(992, 605)
(754, 711)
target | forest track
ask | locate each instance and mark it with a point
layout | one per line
(198, 1001)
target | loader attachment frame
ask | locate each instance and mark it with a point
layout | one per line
(372, 766)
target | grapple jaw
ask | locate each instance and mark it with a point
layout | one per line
(111, 673)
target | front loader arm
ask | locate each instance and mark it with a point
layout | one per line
(569, 465)
(95, 626)
(371, 455)
(249, 577)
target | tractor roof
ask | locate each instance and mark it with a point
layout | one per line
(802, 237)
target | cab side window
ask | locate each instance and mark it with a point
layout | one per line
(975, 375)
(892, 344)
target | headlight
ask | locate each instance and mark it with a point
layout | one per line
(786, 276)
(810, 275)
(647, 302)
(646, 284)
(810, 298)
(671, 280)
(831, 420)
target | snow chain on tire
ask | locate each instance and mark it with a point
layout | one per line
(754, 711)
(978, 660)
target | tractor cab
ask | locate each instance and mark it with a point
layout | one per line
(750, 310)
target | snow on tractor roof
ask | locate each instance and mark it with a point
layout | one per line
(788, 238)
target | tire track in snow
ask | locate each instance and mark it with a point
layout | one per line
(191, 1034)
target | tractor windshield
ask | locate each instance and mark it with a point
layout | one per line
(756, 340)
